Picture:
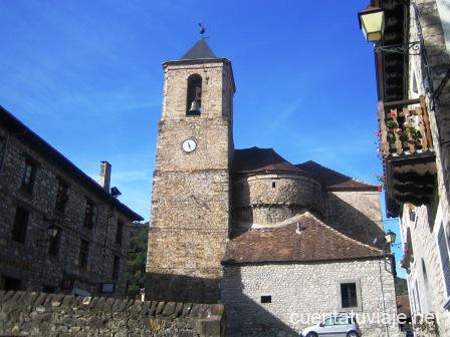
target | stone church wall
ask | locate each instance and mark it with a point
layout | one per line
(356, 214)
(297, 290)
(270, 198)
(49, 315)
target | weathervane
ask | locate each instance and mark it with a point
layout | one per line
(202, 30)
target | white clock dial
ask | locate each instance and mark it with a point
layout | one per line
(189, 145)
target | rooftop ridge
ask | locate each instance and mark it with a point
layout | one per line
(320, 222)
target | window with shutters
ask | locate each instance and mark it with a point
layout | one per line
(445, 262)
(20, 227)
(29, 176)
(350, 295)
(62, 196)
(89, 214)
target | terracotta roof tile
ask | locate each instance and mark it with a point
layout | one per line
(316, 241)
(334, 180)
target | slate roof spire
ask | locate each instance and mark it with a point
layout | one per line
(200, 50)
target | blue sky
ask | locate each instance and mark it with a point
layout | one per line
(86, 76)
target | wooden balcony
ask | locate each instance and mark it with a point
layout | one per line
(406, 147)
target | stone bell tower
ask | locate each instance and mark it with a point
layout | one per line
(191, 185)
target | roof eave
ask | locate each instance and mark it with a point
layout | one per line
(38, 144)
(309, 261)
(203, 61)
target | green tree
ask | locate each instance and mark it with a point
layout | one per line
(137, 256)
(401, 286)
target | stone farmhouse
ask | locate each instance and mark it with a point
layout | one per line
(270, 240)
(60, 231)
(413, 105)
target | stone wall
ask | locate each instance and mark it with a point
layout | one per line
(301, 289)
(266, 199)
(356, 214)
(425, 279)
(49, 315)
(30, 262)
(191, 192)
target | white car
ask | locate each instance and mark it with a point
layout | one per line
(341, 325)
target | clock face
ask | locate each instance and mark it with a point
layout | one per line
(189, 145)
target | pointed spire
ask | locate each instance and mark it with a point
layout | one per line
(200, 50)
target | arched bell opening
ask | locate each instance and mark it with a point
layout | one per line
(194, 95)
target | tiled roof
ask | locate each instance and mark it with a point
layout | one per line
(334, 180)
(303, 239)
(257, 160)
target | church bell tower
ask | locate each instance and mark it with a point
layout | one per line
(191, 185)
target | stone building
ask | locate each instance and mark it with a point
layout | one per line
(413, 106)
(249, 229)
(60, 230)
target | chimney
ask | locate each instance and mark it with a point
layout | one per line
(105, 175)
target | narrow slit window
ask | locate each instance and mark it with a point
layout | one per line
(274, 184)
(266, 299)
(29, 175)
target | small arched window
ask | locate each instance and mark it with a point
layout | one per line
(194, 95)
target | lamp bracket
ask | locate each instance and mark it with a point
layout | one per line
(410, 48)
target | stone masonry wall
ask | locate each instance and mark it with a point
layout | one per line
(49, 315)
(30, 261)
(270, 198)
(425, 281)
(356, 214)
(191, 192)
(297, 290)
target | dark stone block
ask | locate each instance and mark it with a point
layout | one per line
(186, 309)
(152, 310)
(179, 309)
(179, 288)
(41, 299)
(109, 304)
(169, 309)
(160, 307)
(136, 307)
(124, 305)
(8, 295)
(195, 311)
(67, 301)
(209, 328)
(116, 305)
(187, 334)
(100, 303)
(145, 308)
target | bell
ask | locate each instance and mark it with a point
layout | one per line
(195, 107)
